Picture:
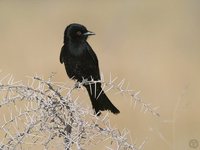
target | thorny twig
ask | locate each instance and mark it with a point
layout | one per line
(41, 115)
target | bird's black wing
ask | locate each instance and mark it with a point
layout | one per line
(96, 73)
(62, 54)
(93, 55)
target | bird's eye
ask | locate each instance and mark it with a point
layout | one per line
(78, 33)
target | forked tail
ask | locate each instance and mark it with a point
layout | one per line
(99, 100)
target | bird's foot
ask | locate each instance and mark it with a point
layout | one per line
(77, 85)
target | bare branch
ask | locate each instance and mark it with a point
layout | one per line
(39, 114)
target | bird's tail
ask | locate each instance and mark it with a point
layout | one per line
(99, 100)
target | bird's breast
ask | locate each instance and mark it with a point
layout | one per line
(79, 65)
(77, 51)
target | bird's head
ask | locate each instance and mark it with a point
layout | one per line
(76, 32)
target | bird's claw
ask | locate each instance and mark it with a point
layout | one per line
(77, 85)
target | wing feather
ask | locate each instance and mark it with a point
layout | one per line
(93, 55)
(62, 54)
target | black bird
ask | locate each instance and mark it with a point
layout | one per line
(81, 63)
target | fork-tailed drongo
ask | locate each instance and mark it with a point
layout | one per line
(81, 63)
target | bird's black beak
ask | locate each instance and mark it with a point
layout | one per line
(88, 33)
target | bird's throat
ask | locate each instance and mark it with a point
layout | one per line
(76, 49)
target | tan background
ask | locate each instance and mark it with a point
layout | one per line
(153, 44)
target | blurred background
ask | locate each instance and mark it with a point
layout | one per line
(153, 45)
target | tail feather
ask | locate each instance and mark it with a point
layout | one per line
(99, 100)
